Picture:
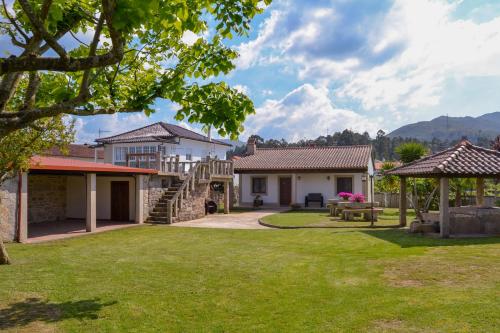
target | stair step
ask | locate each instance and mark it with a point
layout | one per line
(156, 219)
(158, 214)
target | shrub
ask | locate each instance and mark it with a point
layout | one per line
(357, 197)
(345, 195)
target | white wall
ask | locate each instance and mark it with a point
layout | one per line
(308, 183)
(198, 149)
(76, 197)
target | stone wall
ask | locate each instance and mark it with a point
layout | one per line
(8, 209)
(194, 207)
(46, 198)
(155, 186)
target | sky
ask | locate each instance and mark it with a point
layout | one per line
(319, 66)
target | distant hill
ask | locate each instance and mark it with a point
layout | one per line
(234, 143)
(452, 128)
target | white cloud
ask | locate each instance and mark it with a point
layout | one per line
(242, 89)
(250, 52)
(438, 48)
(305, 112)
(267, 92)
(395, 57)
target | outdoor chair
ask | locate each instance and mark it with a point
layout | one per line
(314, 197)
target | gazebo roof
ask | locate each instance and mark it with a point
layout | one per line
(462, 160)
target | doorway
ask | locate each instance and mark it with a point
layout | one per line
(285, 190)
(120, 201)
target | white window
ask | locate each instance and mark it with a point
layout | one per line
(131, 150)
(120, 154)
(189, 154)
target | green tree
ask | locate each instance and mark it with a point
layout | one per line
(387, 183)
(137, 54)
(410, 151)
(17, 148)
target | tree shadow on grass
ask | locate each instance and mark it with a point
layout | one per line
(404, 239)
(34, 310)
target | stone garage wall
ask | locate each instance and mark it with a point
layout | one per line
(46, 198)
(8, 209)
(194, 207)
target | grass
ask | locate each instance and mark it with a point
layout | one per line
(166, 279)
(321, 218)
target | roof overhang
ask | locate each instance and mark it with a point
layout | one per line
(288, 171)
(65, 165)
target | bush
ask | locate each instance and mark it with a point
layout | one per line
(345, 195)
(357, 197)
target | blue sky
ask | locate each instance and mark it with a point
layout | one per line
(318, 66)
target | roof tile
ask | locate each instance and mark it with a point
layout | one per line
(464, 159)
(306, 158)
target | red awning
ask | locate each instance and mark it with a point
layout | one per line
(66, 164)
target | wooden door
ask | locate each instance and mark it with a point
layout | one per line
(120, 201)
(285, 190)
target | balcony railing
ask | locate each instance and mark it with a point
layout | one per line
(171, 165)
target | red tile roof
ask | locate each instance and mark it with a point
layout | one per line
(158, 132)
(76, 150)
(306, 158)
(464, 159)
(66, 164)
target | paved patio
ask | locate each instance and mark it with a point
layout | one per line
(46, 231)
(244, 220)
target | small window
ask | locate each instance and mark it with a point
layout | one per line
(344, 184)
(259, 185)
(189, 155)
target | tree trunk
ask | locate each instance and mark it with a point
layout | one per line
(4, 256)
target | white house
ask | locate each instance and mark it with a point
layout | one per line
(168, 139)
(284, 176)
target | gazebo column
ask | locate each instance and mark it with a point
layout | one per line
(139, 199)
(444, 214)
(402, 202)
(480, 192)
(91, 202)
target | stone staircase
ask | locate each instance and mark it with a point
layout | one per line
(160, 211)
(185, 199)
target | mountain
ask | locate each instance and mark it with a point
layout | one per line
(452, 128)
(234, 143)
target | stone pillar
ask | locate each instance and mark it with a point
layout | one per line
(402, 202)
(294, 189)
(226, 197)
(139, 199)
(91, 202)
(23, 210)
(480, 192)
(444, 215)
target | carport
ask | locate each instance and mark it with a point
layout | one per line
(63, 197)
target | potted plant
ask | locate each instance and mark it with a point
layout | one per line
(357, 197)
(345, 195)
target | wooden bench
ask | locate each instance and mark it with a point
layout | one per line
(314, 197)
(367, 213)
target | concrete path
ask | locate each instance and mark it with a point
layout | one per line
(246, 220)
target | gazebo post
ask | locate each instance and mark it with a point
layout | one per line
(480, 191)
(402, 202)
(444, 214)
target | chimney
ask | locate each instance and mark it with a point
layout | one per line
(251, 146)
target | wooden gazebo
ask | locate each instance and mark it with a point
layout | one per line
(461, 161)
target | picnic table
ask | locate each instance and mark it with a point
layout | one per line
(367, 213)
(337, 206)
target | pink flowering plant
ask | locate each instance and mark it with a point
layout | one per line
(345, 195)
(357, 197)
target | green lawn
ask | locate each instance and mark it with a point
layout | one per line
(169, 279)
(321, 218)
